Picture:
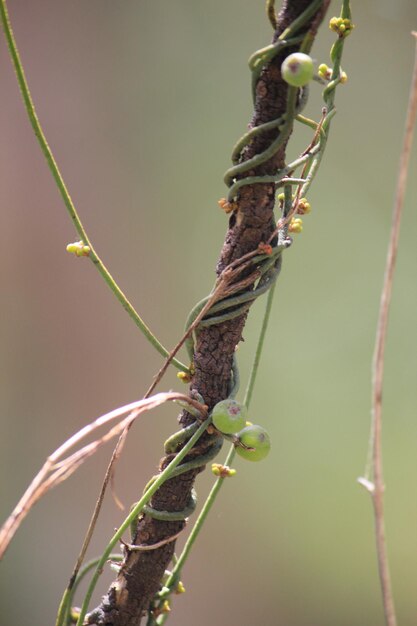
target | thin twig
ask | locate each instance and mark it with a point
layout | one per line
(97, 508)
(373, 480)
(153, 546)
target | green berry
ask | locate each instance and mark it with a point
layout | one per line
(297, 69)
(229, 416)
(257, 443)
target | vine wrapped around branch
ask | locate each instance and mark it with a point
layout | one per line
(251, 223)
(248, 266)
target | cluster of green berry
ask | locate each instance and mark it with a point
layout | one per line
(251, 441)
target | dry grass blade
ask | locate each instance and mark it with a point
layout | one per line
(59, 467)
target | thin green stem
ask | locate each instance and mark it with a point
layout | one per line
(176, 571)
(52, 164)
(230, 174)
(270, 11)
(135, 512)
(63, 617)
(255, 365)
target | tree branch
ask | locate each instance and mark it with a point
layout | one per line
(251, 223)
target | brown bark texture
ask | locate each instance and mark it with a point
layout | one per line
(129, 596)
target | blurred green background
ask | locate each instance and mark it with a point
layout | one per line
(142, 102)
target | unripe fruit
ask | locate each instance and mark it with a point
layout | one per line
(297, 69)
(229, 416)
(257, 441)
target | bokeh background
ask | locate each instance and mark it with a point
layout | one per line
(142, 102)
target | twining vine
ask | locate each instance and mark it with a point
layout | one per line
(248, 267)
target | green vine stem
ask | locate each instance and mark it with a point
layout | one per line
(311, 160)
(175, 574)
(234, 306)
(134, 513)
(64, 611)
(52, 164)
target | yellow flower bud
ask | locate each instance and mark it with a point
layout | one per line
(224, 471)
(78, 248)
(296, 225)
(184, 377)
(180, 588)
(303, 207)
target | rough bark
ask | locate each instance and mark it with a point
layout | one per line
(129, 597)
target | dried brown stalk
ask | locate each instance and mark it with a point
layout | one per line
(374, 483)
(59, 467)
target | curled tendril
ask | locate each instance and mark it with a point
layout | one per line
(296, 100)
(267, 265)
(270, 11)
(213, 446)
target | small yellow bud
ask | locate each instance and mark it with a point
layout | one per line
(296, 225)
(184, 377)
(325, 71)
(78, 248)
(333, 23)
(343, 78)
(228, 207)
(165, 608)
(303, 207)
(342, 27)
(180, 588)
(223, 471)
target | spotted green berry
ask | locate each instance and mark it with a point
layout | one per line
(257, 443)
(297, 69)
(229, 416)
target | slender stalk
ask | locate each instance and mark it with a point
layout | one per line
(374, 480)
(66, 602)
(176, 571)
(53, 166)
(256, 360)
(329, 98)
(135, 512)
